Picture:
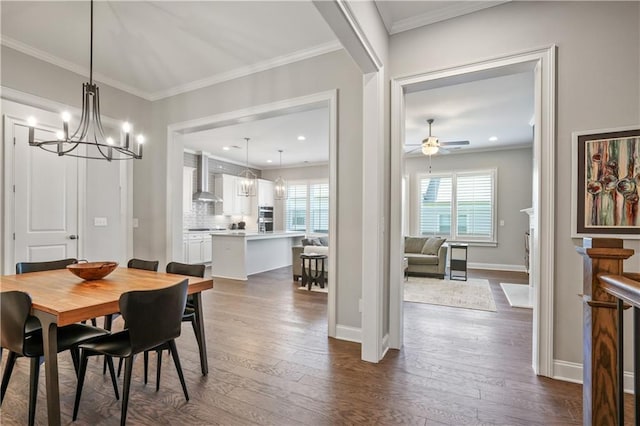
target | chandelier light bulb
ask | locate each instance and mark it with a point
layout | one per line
(140, 139)
(110, 141)
(66, 117)
(60, 135)
(126, 127)
(31, 121)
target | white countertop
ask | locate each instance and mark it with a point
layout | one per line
(253, 235)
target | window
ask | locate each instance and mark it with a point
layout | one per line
(459, 206)
(307, 207)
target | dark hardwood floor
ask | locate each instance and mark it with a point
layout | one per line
(271, 362)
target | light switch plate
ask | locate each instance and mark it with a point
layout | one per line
(100, 221)
(135, 222)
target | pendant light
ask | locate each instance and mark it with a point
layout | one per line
(280, 189)
(247, 180)
(90, 132)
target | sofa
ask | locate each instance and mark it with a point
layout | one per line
(425, 256)
(317, 245)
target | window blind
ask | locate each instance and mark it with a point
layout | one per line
(319, 207)
(474, 205)
(435, 205)
(296, 207)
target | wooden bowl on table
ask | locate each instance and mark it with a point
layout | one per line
(92, 270)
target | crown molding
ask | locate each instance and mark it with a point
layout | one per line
(299, 55)
(70, 66)
(447, 12)
(249, 69)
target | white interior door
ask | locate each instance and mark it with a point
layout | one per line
(46, 200)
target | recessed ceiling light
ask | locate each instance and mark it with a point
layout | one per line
(493, 138)
(302, 138)
(269, 161)
(226, 148)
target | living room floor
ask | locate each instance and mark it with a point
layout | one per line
(270, 362)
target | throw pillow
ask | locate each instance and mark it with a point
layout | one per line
(413, 244)
(310, 242)
(324, 241)
(432, 245)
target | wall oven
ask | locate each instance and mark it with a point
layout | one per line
(265, 219)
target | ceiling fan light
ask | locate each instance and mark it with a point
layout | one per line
(429, 149)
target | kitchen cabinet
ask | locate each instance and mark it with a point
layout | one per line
(187, 189)
(197, 248)
(265, 193)
(232, 204)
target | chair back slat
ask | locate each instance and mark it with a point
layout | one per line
(185, 269)
(153, 316)
(15, 307)
(147, 265)
(25, 267)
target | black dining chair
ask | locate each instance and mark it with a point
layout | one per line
(146, 265)
(189, 314)
(15, 308)
(25, 267)
(152, 319)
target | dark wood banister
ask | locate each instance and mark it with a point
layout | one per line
(603, 303)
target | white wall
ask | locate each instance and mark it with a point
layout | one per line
(515, 176)
(326, 72)
(598, 66)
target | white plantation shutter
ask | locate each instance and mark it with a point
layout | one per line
(474, 205)
(319, 207)
(435, 205)
(459, 206)
(296, 208)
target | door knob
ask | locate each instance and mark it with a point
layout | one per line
(73, 237)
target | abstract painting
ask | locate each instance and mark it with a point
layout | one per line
(608, 180)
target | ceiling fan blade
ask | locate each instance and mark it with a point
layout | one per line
(454, 143)
(413, 150)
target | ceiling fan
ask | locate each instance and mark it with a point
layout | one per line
(431, 145)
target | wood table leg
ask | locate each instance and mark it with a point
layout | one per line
(197, 304)
(50, 340)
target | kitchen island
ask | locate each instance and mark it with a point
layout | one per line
(238, 254)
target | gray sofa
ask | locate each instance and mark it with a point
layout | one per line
(426, 256)
(309, 245)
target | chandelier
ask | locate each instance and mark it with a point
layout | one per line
(90, 132)
(247, 180)
(280, 189)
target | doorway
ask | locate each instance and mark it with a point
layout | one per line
(543, 63)
(175, 150)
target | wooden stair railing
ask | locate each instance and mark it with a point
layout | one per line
(606, 289)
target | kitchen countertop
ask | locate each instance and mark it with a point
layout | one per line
(253, 235)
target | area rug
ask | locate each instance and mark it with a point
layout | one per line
(470, 294)
(316, 289)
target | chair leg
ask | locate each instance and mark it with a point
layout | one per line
(33, 389)
(176, 361)
(120, 366)
(146, 365)
(158, 369)
(108, 321)
(83, 369)
(112, 372)
(8, 369)
(128, 367)
(75, 357)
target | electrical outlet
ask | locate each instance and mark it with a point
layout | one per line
(135, 222)
(501, 222)
(99, 221)
(360, 305)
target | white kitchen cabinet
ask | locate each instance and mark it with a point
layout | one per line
(265, 193)
(232, 204)
(197, 248)
(206, 248)
(187, 189)
(194, 250)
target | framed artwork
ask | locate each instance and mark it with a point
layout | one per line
(606, 183)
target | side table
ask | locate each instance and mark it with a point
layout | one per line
(313, 269)
(458, 261)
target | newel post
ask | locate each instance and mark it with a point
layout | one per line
(600, 325)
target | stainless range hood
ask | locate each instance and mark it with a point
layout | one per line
(203, 194)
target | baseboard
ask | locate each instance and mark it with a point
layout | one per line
(350, 334)
(496, 267)
(572, 372)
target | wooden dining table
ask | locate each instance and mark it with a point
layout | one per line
(60, 298)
